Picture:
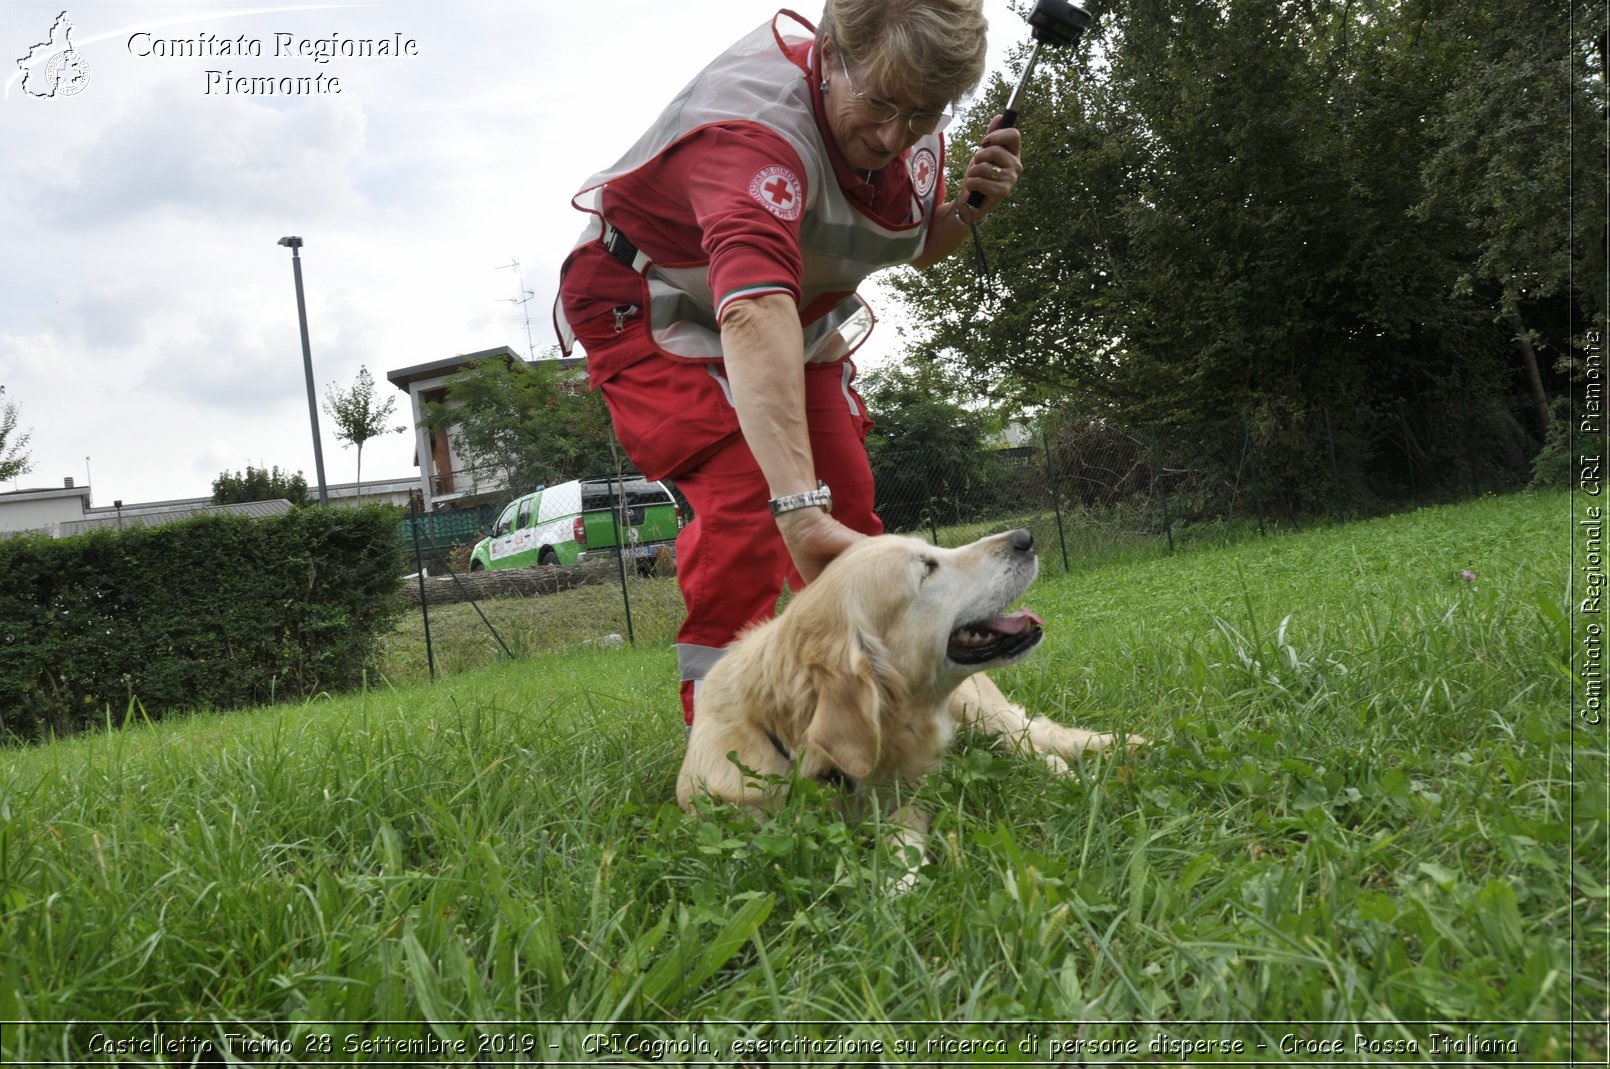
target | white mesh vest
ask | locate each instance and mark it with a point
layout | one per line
(755, 81)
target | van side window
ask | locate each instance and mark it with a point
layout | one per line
(505, 522)
(525, 512)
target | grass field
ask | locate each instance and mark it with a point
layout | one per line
(1366, 831)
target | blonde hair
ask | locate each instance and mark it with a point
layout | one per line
(920, 50)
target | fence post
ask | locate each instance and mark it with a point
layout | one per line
(1470, 449)
(424, 602)
(622, 520)
(1056, 497)
(1250, 451)
(1408, 454)
(928, 496)
(1335, 469)
(1162, 487)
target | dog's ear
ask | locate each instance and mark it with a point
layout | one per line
(844, 725)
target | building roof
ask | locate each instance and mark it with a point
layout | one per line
(44, 493)
(402, 378)
(188, 505)
(171, 512)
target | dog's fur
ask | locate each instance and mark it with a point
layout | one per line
(867, 675)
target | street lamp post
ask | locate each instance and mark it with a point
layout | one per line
(294, 244)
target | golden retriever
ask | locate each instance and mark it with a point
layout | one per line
(866, 676)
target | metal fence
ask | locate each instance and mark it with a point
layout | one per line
(1092, 488)
(1093, 491)
(437, 535)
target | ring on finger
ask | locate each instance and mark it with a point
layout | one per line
(995, 172)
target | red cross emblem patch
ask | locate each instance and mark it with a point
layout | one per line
(924, 171)
(779, 192)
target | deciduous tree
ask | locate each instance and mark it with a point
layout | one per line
(1271, 204)
(359, 416)
(14, 459)
(523, 424)
(259, 484)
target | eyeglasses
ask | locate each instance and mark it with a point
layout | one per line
(919, 121)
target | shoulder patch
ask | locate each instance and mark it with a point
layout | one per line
(778, 190)
(924, 171)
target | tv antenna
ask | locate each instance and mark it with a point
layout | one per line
(523, 300)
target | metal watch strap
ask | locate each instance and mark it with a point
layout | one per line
(821, 497)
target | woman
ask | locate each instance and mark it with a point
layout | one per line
(714, 288)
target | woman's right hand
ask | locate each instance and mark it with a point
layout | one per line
(814, 538)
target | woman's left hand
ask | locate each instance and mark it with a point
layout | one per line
(995, 167)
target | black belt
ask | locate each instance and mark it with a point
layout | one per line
(834, 776)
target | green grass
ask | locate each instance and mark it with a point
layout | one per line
(1365, 803)
(576, 619)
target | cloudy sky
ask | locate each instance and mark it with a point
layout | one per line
(148, 332)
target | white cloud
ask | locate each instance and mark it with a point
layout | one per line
(147, 317)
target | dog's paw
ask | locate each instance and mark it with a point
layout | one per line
(1112, 741)
(1070, 744)
(902, 885)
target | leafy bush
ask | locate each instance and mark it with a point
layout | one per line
(219, 611)
(1554, 467)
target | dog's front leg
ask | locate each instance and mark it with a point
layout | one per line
(908, 842)
(978, 702)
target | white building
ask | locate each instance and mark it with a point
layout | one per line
(43, 510)
(67, 511)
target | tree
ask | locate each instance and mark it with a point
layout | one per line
(1220, 211)
(13, 460)
(1501, 162)
(359, 416)
(259, 484)
(928, 454)
(520, 425)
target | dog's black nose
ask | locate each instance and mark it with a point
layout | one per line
(1021, 540)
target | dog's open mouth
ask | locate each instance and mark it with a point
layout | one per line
(994, 639)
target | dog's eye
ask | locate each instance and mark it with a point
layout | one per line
(929, 566)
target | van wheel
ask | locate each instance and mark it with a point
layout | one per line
(476, 566)
(547, 556)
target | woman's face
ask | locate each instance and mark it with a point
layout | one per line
(852, 102)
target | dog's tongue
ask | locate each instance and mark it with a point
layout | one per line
(1014, 623)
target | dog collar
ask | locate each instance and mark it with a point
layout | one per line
(834, 776)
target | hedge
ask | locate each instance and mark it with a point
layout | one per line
(216, 612)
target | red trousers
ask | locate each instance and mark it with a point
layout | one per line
(676, 421)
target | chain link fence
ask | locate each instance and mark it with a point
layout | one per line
(1092, 490)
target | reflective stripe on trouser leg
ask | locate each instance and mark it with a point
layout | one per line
(693, 664)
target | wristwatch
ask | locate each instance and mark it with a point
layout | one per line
(821, 497)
